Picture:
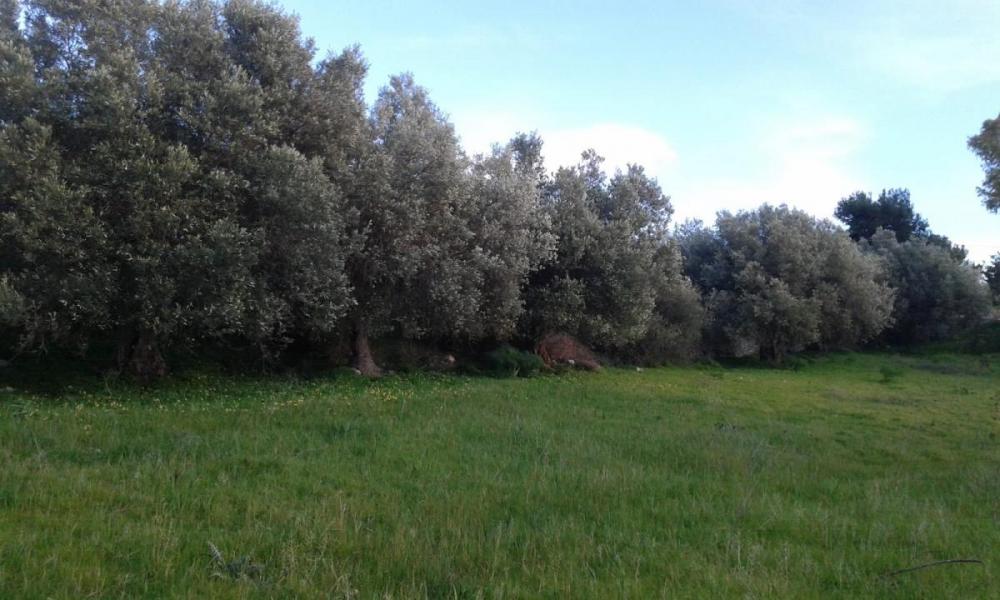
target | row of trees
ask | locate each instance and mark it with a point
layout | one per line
(182, 173)
(986, 145)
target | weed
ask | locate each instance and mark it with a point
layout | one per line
(890, 374)
(241, 568)
(507, 361)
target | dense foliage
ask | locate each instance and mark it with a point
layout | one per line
(190, 174)
(777, 281)
(992, 273)
(936, 296)
(892, 211)
(986, 145)
(616, 276)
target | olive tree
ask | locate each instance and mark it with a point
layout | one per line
(511, 239)
(614, 279)
(409, 274)
(936, 296)
(674, 331)
(447, 242)
(53, 247)
(11, 304)
(777, 280)
(301, 219)
(177, 136)
(992, 273)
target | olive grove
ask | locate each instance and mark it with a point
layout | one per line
(194, 174)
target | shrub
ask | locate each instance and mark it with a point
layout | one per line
(507, 361)
(411, 356)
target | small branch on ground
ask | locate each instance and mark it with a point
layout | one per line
(955, 561)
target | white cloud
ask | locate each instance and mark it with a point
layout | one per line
(476, 38)
(619, 144)
(981, 248)
(828, 138)
(805, 164)
(942, 63)
(933, 45)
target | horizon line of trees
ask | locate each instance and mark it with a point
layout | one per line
(186, 173)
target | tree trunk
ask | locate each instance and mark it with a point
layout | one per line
(768, 352)
(363, 359)
(139, 355)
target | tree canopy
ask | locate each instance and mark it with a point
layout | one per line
(176, 176)
(986, 145)
(892, 211)
(936, 295)
(777, 280)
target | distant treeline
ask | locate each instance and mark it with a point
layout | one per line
(187, 175)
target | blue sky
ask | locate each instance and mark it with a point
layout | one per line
(729, 103)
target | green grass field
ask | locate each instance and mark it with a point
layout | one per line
(695, 482)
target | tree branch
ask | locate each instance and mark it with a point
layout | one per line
(954, 561)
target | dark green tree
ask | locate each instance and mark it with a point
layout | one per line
(986, 145)
(992, 273)
(54, 250)
(892, 211)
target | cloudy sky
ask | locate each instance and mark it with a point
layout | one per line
(730, 103)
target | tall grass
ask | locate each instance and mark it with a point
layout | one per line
(677, 482)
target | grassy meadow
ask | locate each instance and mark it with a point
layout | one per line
(681, 482)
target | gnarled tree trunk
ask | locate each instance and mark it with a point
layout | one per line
(363, 359)
(139, 355)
